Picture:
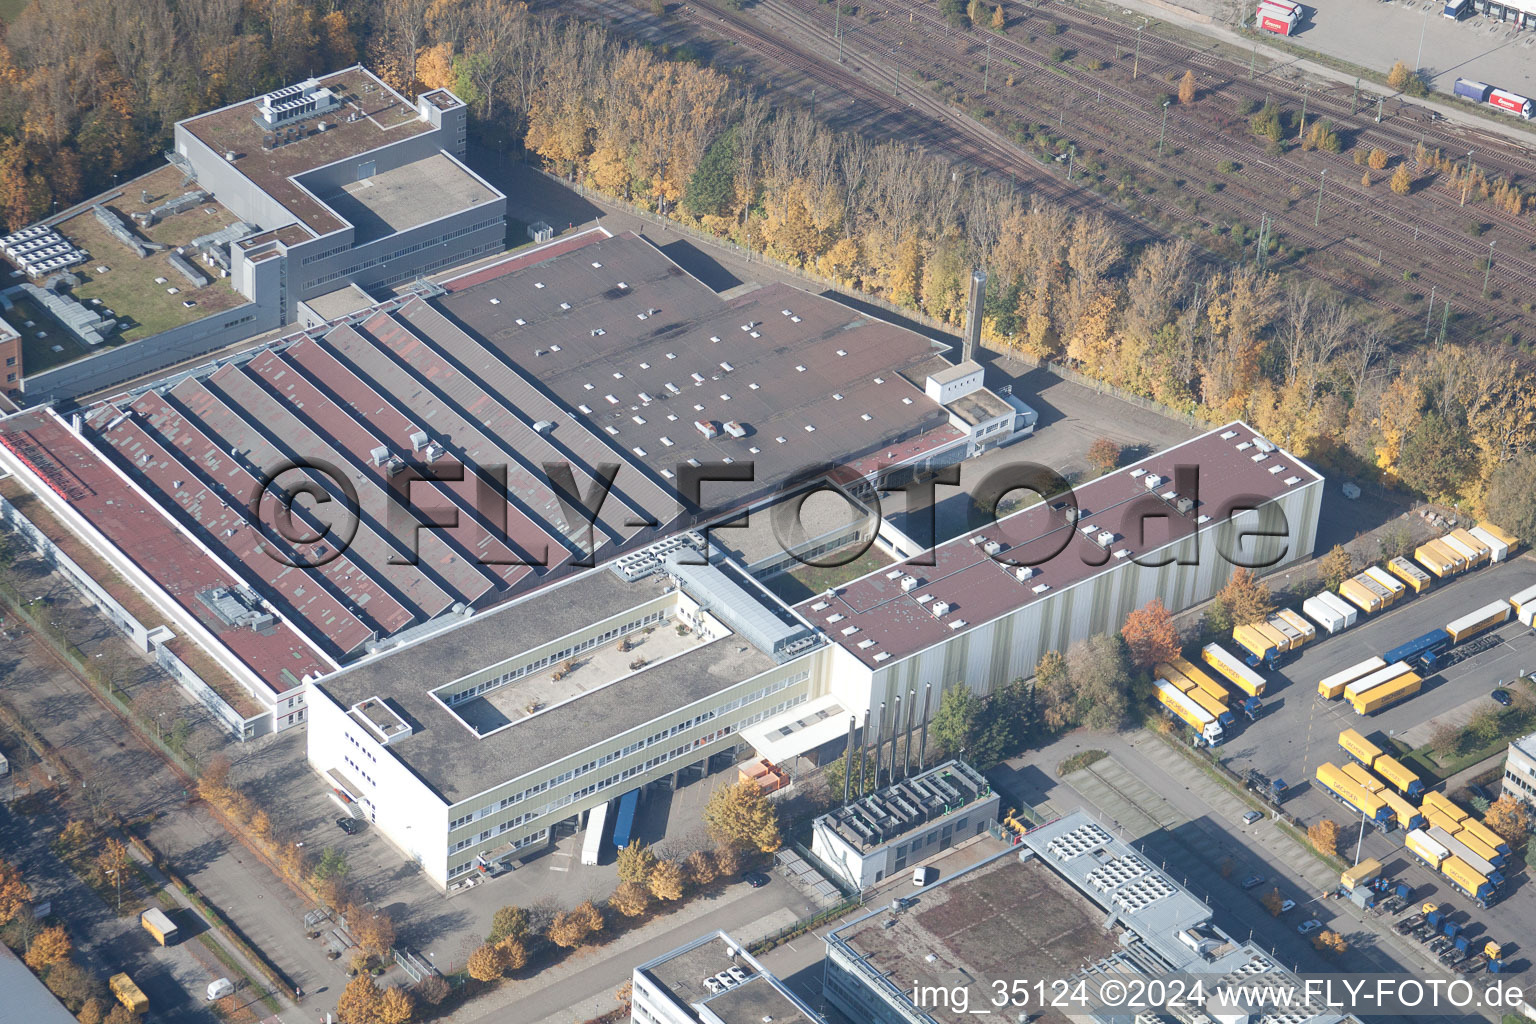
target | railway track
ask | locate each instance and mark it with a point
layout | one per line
(879, 54)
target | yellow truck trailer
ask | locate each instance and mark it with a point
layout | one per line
(1366, 871)
(1400, 775)
(1387, 694)
(1439, 559)
(1358, 747)
(1480, 552)
(1419, 843)
(1362, 777)
(1181, 682)
(1479, 621)
(1201, 679)
(127, 993)
(1332, 687)
(1357, 594)
(1410, 574)
(1394, 585)
(1232, 668)
(1444, 805)
(1438, 819)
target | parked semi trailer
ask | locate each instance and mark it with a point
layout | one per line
(1248, 705)
(1500, 544)
(1476, 552)
(1361, 596)
(1361, 776)
(1410, 574)
(1358, 747)
(1422, 650)
(1486, 835)
(1524, 605)
(1407, 815)
(1401, 777)
(1330, 611)
(1375, 679)
(1423, 847)
(1480, 621)
(1240, 675)
(1332, 687)
(1368, 702)
(1390, 582)
(1182, 707)
(1457, 848)
(1468, 880)
(1278, 16)
(129, 994)
(1347, 792)
(1266, 643)
(1439, 559)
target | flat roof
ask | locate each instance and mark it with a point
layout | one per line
(1001, 919)
(979, 588)
(888, 814)
(145, 536)
(448, 757)
(344, 301)
(1526, 745)
(385, 117)
(639, 351)
(714, 972)
(412, 194)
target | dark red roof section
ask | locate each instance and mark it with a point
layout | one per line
(142, 533)
(979, 586)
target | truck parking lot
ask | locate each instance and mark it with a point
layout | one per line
(1299, 730)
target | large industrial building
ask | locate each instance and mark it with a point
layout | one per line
(1070, 902)
(274, 210)
(502, 602)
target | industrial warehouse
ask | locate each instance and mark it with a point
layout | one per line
(1067, 903)
(443, 673)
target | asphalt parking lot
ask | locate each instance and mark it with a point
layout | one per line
(1298, 730)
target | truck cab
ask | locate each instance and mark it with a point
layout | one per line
(1457, 9)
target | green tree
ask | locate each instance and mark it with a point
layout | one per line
(508, 923)
(711, 189)
(1100, 669)
(954, 720)
(332, 865)
(1511, 500)
(953, 11)
(1437, 457)
(976, 11)
(836, 770)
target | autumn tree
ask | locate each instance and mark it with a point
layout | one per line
(1150, 634)
(396, 1006)
(119, 1014)
(489, 962)
(15, 893)
(701, 868)
(977, 12)
(1397, 78)
(1377, 160)
(514, 954)
(667, 880)
(1402, 181)
(999, 20)
(1329, 941)
(51, 946)
(1273, 902)
(112, 861)
(360, 1001)
(508, 923)
(741, 815)
(432, 989)
(1244, 599)
(1325, 836)
(1104, 455)
(1187, 87)
(630, 898)
(92, 1011)
(636, 862)
(1510, 819)
(1335, 567)
(571, 928)
(374, 931)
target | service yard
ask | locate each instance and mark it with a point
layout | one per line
(1298, 730)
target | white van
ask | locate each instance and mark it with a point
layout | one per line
(923, 876)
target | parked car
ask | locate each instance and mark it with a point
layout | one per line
(756, 879)
(1501, 696)
(1288, 905)
(1309, 926)
(349, 826)
(1253, 816)
(924, 876)
(1253, 881)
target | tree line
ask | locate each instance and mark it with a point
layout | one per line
(92, 87)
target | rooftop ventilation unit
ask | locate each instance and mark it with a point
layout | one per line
(1170, 496)
(1088, 529)
(1292, 481)
(958, 624)
(1136, 473)
(1202, 519)
(991, 547)
(418, 440)
(1244, 446)
(1263, 444)
(939, 609)
(1185, 506)
(1104, 539)
(923, 598)
(735, 429)
(883, 656)
(1227, 435)
(1259, 456)
(707, 428)
(1040, 588)
(1152, 481)
(1123, 553)
(379, 454)
(1023, 572)
(908, 583)
(1276, 468)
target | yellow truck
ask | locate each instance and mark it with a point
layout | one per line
(158, 923)
(1480, 621)
(1392, 584)
(1384, 696)
(1232, 668)
(127, 993)
(1444, 805)
(1477, 551)
(1201, 679)
(1358, 747)
(1399, 774)
(1439, 559)
(1362, 777)
(1357, 594)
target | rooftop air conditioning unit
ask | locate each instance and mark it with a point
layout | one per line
(908, 583)
(1023, 572)
(939, 609)
(706, 427)
(1105, 539)
(1151, 481)
(991, 547)
(735, 429)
